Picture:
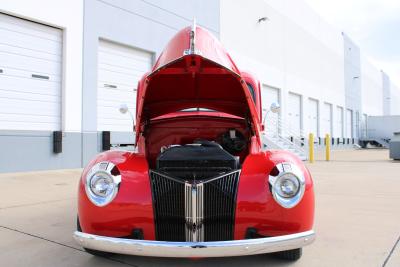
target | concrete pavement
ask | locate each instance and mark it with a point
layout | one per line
(357, 218)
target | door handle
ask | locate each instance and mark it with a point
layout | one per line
(43, 77)
(110, 86)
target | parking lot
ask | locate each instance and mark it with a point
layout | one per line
(357, 218)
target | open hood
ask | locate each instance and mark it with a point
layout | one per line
(194, 71)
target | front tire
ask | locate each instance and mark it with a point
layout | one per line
(290, 255)
(93, 252)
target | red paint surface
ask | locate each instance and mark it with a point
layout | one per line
(131, 208)
(256, 206)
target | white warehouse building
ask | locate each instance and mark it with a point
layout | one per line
(67, 65)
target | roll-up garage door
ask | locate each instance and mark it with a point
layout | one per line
(270, 95)
(30, 75)
(313, 116)
(349, 123)
(339, 122)
(327, 119)
(294, 117)
(119, 70)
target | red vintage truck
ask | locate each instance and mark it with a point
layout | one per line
(200, 183)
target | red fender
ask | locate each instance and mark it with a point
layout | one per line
(256, 206)
(131, 208)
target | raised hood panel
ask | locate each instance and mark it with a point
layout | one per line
(194, 71)
(201, 84)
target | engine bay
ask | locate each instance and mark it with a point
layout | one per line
(198, 149)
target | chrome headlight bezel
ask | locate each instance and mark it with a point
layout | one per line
(104, 169)
(287, 170)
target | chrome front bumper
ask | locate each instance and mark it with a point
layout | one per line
(194, 249)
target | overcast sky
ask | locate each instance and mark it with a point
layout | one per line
(373, 24)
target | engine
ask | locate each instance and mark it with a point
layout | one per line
(198, 161)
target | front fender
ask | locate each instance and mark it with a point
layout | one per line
(256, 207)
(132, 207)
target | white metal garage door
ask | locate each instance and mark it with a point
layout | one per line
(294, 117)
(119, 70)
(30, 75)
(313, 116)
(349, 123)
(327, 119)
(270, 95)
(339, 122)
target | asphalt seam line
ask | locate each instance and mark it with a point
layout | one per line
(391, 252)
(64, 245)
(36, 203)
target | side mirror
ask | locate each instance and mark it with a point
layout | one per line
(275, 107)
(123, 108)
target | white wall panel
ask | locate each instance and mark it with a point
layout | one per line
(119, 70)
(294, 114)
(286, 50)
(313, 117)
(339, 122)
(270, 95)
(326, 119)
(349, 123)
(372, 88)
(31, 75)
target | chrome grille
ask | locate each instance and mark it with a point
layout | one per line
(202, 210)
(169, 207)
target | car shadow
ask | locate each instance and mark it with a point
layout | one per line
(248, 261)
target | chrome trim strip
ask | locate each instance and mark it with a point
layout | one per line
(194, 213)
(194, 249)
(188, 210)
(200, 213)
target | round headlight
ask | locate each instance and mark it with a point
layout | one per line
(102, 183)
(287, 184)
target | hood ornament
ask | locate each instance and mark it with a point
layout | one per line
(192, 41)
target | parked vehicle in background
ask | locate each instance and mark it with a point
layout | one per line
(379, 130)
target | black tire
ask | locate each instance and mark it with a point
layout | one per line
(93, 252)
(290, 255)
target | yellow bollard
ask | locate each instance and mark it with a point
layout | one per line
(311, 147)
(328, 147)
